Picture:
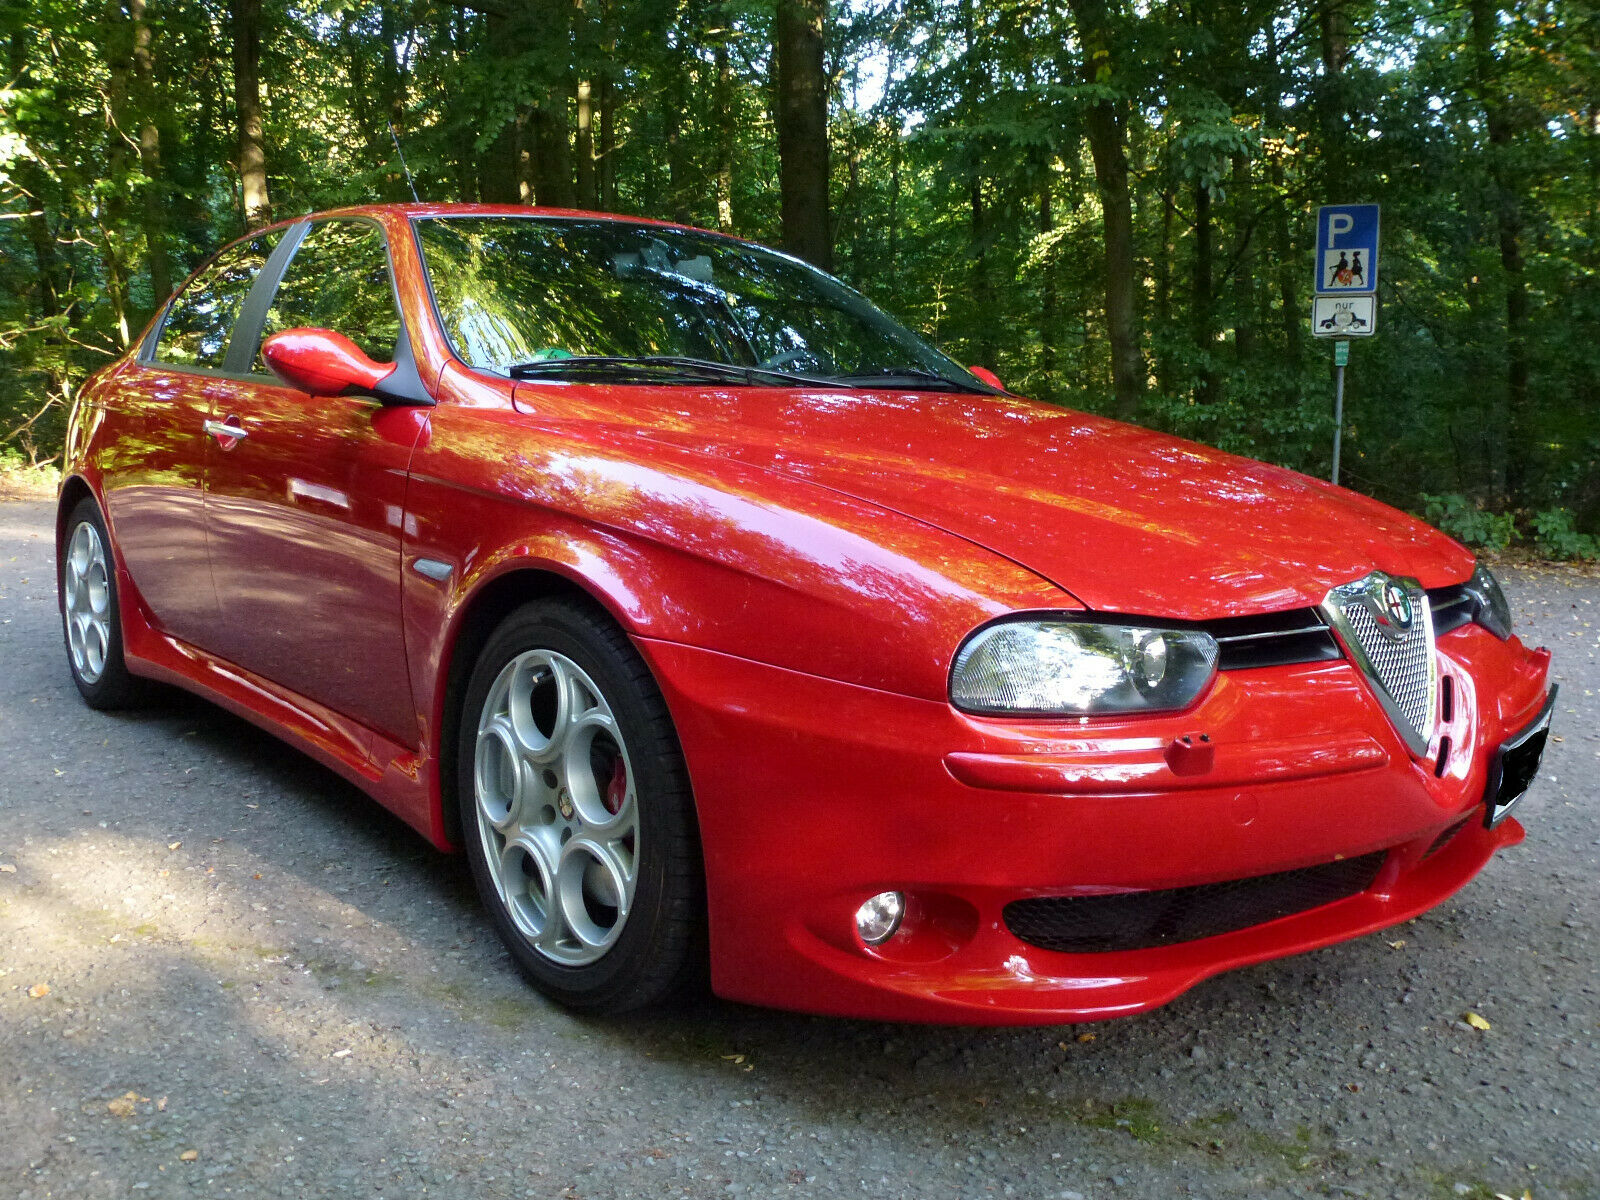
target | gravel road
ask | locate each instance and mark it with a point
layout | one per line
(225, 972)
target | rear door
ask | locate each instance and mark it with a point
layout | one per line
(305, 503)
(153, 465)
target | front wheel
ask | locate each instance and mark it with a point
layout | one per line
(576, 811)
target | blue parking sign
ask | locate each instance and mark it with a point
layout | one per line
(1347, 248)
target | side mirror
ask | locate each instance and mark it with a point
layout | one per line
(987, 376)
(322, 362)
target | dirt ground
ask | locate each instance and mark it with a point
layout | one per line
(225, 972)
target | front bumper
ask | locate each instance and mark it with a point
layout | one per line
(813, 795)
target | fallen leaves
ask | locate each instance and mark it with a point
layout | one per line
(189, 1156)
(125, 1104)
(1476, 1021)
(39, 991)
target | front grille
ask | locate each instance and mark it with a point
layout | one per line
(1298, 635)
(1452, 608)
(1143, 920)
(1399, 665)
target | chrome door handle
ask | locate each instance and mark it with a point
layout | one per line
(221, 429)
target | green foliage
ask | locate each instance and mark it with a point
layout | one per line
(1470, 523)
(965, 197)
(1549, 533)
(1554, 536)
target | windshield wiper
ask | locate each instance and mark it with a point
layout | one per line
(655, 368)
(919, 374)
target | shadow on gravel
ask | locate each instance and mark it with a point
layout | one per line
(299, 787)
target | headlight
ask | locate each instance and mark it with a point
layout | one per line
(1080, 667)
(1489, 607)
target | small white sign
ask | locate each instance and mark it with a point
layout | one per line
(1344, 316)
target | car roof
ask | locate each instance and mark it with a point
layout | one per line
(412, 210)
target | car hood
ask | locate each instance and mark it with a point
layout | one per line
(1125, 519)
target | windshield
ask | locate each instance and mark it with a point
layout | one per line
(515, 291)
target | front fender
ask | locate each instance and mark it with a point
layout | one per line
(684, 548)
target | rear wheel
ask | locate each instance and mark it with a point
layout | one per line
(576, 811)
(91, 620)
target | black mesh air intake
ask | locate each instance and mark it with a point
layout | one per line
(1141, 920)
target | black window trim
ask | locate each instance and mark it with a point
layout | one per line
(406, 385)
(147, 350)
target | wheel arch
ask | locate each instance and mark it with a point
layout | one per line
(73, 489)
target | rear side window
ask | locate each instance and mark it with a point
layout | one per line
(339, 280)
(200, 322)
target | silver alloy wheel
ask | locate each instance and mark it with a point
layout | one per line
(86, 581)
(557, 809)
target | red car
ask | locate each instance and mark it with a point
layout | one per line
(721, 620)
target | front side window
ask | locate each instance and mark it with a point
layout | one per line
(200, 322)
(515, 290)
(338, 279)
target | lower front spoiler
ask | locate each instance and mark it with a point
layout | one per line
(1034, 986)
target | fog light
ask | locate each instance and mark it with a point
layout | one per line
(878, 918)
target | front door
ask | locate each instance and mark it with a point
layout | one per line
(305, 505)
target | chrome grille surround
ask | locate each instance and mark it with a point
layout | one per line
(1396, 656)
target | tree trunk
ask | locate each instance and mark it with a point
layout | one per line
(555, 181)
(801, 112)
(1244, 262)
(588, 195)
(1203, 302)
(392, 83)
(1105, 124)
(726, 136)
(973, 90)
(527, 143)
(1047, 298)
(1291, 318)
(114, 217)
(894, 205)
(246, 20)
(1501, 125)
(608, 145)
(155, 226)
(1163, 281)
(677, 168)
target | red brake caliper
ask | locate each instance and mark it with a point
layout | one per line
(617, 789)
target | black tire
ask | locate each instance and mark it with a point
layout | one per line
(660, 946)
(113, 687)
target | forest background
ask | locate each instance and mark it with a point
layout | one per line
(1110, 204)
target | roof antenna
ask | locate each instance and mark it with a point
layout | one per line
(410, 182)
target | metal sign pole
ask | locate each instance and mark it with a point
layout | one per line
(1345, 294)
(1341, 355)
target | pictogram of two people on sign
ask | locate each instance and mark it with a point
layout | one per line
(1347, 272)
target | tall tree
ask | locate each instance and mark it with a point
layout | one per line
(1105, 124)
(1501, 123)
(246, 25)
(801, 113)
